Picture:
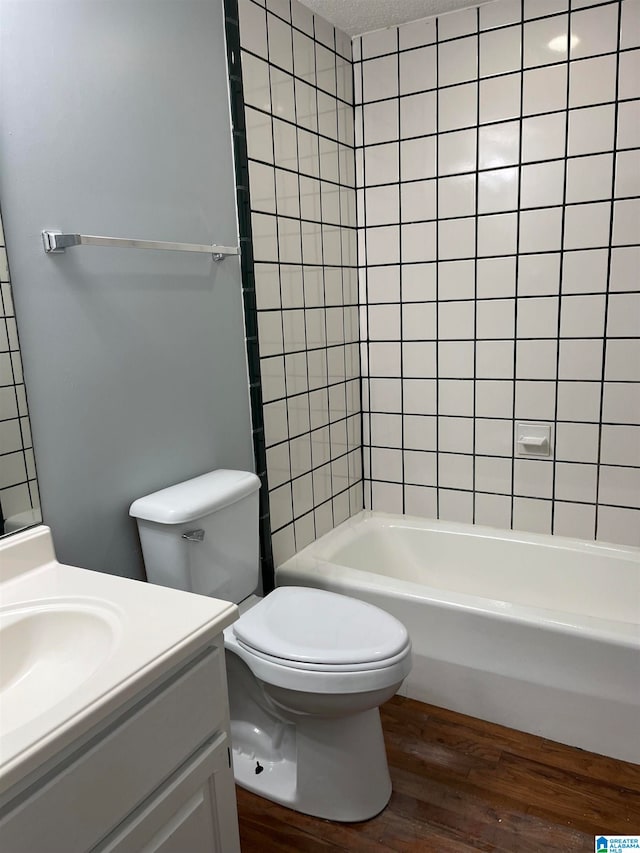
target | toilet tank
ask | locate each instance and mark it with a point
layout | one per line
(202, 535)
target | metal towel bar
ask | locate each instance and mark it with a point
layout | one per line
(56, 242)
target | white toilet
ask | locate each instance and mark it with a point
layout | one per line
(307, 669)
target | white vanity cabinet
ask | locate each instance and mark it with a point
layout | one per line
(154, 776)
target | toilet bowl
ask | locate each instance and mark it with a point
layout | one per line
(307, 669)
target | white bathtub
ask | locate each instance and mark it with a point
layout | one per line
(536, 632)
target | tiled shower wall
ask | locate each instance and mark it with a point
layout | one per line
(18, 486)
(297, 80)
(498, 203)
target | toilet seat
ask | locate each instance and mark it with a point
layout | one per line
(292, 639)
(318, 630)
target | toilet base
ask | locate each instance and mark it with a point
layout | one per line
(333, 768)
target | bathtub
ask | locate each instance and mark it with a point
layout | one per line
(535, 632)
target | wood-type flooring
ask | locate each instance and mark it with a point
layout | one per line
(462, 784)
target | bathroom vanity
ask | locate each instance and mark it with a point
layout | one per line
(113, 711)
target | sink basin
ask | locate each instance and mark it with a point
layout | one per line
(48, 651)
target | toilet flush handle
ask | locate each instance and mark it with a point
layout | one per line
(194, 535)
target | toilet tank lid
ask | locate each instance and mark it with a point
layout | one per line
(195, 498)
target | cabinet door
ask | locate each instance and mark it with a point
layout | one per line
(194, 813)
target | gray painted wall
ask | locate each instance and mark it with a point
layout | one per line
(116, 121)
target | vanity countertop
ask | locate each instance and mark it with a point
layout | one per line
(76, 645)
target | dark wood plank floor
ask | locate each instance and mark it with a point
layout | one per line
(461, 784)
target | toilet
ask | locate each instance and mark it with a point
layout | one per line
(307, 669)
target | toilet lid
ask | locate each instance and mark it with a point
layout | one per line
(315, 626)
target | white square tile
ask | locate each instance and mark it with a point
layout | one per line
(545, 89)
(494, 359)
(324, 31)
(578, 401)
(419, 432)
(326, 69)
(253, 27)
(384, 322)
(419, 321)
(535, 401)
(624, 268)
(458, 61)
(591, 129)
(456, 196)
(460, 23)
(620, 445)
(380, 78)
(539, 275)
(381, 163)
(419, 282)
(589, 178)
(418, 359)
(576, 482)
(419, 396)
(280, 43)
(628, 124)
(455, 471)
(538, 8)
(543, 137)
(455, 397)
(586, 226)
(621, 403)
(383, 245)
(629, 84)
(420, 468)
(278, 467)
(262, 187)
(385, 395)
(384, 359)
(626, 216)
(497, 234)
(418, 242)
(500, 98)
(592, 81)
(456, 152)
(493, 510)
(283, 544)
(495, 277)
(617, 525)
(542, 184)
(379, 42)
(541, 230)
(585, 272)
(500, 14)
(420, 501)
(380, 122)
(627, 174)
(255, 81)
(456, 238)
(630, 26)
(455, 505)
(455, 359)
(577, 521)
(306, 108)
(580, 359)
(456, 279)
(455, 320)
(386, 430)
(594, 31)
(455, 435)
(545, 40)
(493, 474)
(386, 464)
(620, 486)
(577, 442)
(417, 33)
(500, 51)
(582, 316)
(499, 145)
(536, 359)
(532, 515)
(538, 317)
(623, 361)
(533, 478)
(495, 318)
(382, 205)
(497, 190)
(418, 200)
(623, 315)
(494, 437)
(417, 70)
(418, 159)
(457, 107)
(418, 114)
